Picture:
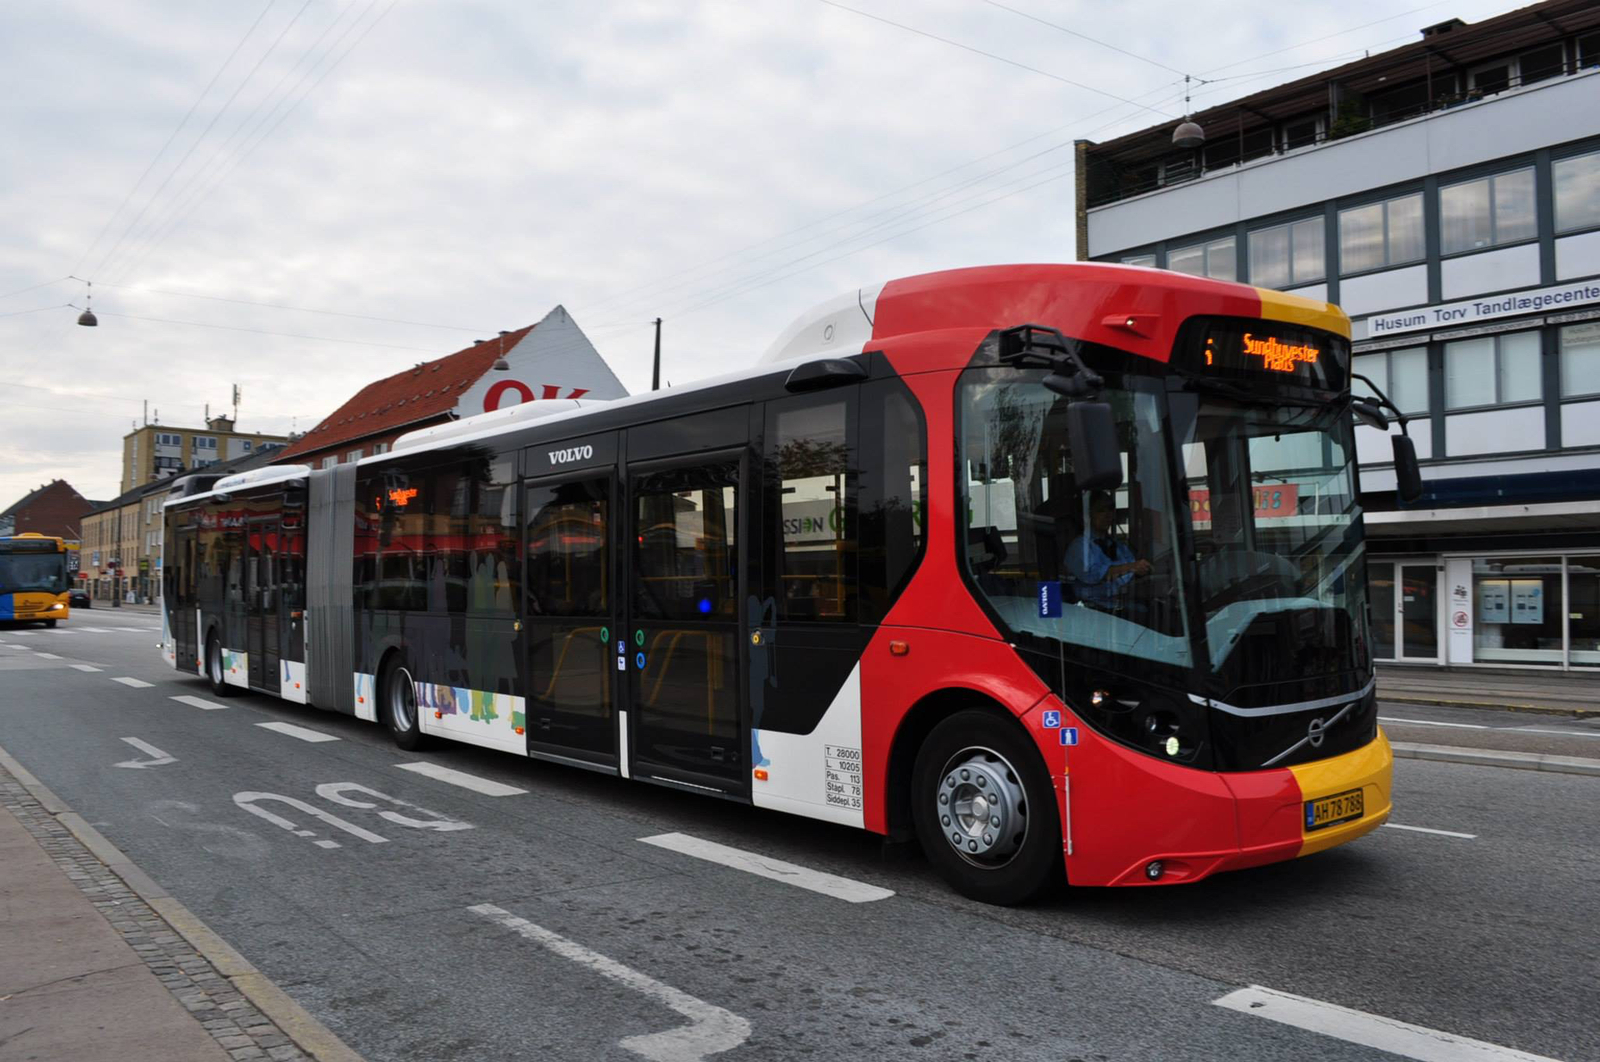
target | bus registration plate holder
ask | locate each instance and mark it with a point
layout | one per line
(1332, 810)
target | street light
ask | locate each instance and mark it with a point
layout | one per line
(87, 318)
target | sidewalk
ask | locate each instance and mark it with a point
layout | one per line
(1572, 693)
(95, 967)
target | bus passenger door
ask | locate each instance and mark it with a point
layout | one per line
(260, 593)
(181, 600)
(570, 618)
(680, 649)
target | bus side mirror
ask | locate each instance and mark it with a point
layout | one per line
(1092, 434)
(1370, 414)
(1407, 476)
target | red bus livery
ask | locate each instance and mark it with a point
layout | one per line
(1059, 569)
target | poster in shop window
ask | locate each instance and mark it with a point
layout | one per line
(1494, 601)
(1527, 601)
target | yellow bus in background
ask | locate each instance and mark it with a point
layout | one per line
(33, 579)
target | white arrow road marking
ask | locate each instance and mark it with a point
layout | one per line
(1369, 1030)
(776, 869)
(138, 684)
(157, 756)
(711, 1031)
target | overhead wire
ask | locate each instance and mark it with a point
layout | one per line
(296, 309)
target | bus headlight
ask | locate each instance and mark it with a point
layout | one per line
(1168, 736)
(57, 607)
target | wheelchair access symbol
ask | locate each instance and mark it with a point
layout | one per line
(1052, 720)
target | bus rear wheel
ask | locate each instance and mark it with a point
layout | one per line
(214, 673)
(400, 708)
(985, 810)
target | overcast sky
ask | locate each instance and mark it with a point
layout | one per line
(438, 171)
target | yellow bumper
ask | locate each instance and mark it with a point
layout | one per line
(1370, 769)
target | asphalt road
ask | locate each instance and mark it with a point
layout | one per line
(464, 925)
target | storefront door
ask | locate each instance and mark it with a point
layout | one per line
(1405, 614)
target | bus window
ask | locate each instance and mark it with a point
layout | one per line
(809, 456)
(491, 559)
(1099, 570)
(894, 476)
(686, 564)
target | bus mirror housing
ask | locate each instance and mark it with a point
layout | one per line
(1092, 434)
(1370, 414)
(1407, 476)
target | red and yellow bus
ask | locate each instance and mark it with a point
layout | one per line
(33, 579)
(1059, 569)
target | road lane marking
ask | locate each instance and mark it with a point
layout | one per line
(97, 630)
(711, 1030)
(1430, 722)
(199, 702)
(1563, 733)
(776, 869)
(157, 757)
(461, 778)
(138, 684)
(1369, 1030)
(47, 656)
(1424, 829)
(84, 667)
(252, 802)
(14, 645)
(301, 732)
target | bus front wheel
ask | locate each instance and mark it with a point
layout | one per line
(214, 673)
(400, 708)
(985, 810)
(49, 623)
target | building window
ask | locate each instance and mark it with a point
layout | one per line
(247, 444)
(1381, 234)
(1300, 132)
(352, 457)
(1286, 255)
(1140, 260)
(380, 448)
(1541, 63)
(1589, 51)
(167, 439)
(205, 442)
(1487, 212)
(1580, 360)
(1214, 259)
(330, 461)
(1518, 606)
(1492, 370)
(1577, 183)
(1403, 375)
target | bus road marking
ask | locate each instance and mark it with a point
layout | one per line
(1537, 730)
(1424, 829)
(138, 684)
(301, 732)
(776, 869)
(1369, 1030)
(1430, 722)
(84, 667)
(711, 1030)
(199, 702)
(461, 778)
(157, 757)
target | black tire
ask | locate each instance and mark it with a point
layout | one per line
(49, 623)
(214, 675)
(399, 707)
(966, 758)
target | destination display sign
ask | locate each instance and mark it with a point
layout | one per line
(1264, 352)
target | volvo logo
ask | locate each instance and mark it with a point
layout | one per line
(571, 453)
(1314, 732)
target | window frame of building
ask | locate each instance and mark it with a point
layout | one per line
(1364, 364)
(1586, 52)
(205, 442)
(1313, 223)
(379, 448)
(1592, 218)
(330, 461)
(353, 456)
(1567, 375)
(1318, 131)
(1205, 247)
(1499, 402)
(1389, 259)
(1491, 182)
(1140, 260)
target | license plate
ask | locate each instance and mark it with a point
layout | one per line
(1332, 810)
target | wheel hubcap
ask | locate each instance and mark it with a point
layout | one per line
(981, 807)
(403, 700)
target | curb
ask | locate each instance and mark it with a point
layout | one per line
(297, 1023)
(1446, 702)
(1525, 761)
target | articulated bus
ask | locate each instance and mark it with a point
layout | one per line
(1058, 569)
(33, 579)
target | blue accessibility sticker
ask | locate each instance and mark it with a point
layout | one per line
(1069, 735)
(1052, 720)
(640, 661)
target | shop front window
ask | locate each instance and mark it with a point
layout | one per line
(1583, 610)
(1518, 610)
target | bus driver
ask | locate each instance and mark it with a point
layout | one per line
(1101, 566)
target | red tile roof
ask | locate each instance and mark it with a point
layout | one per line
(425, 392)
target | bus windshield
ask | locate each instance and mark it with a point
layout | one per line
(35, 572)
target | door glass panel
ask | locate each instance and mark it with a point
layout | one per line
(683, 644)
(1518, 610)
(1420, 634)
(1382, 596)
(569, 617)
(1583, 607)
(817, 553)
